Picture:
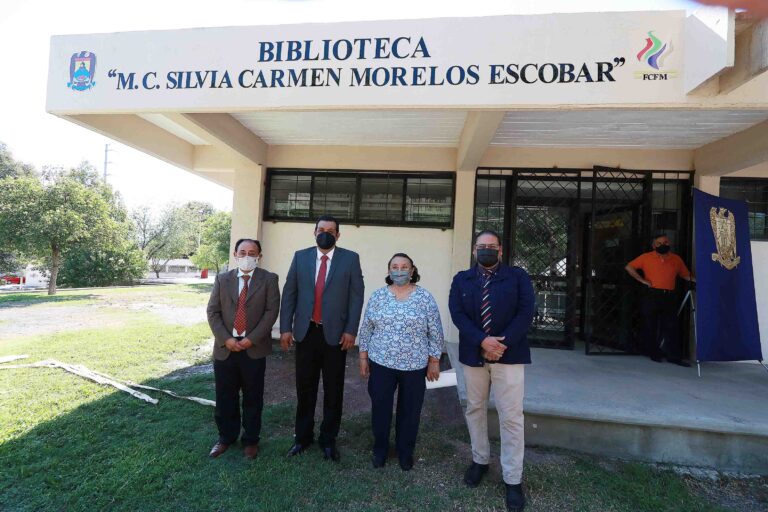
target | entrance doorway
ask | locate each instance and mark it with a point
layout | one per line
(573, 231)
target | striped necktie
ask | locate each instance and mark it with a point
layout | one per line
(485, 301)
(485, 308)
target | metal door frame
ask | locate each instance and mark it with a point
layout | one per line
(642, 232)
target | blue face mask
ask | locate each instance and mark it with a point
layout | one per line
(400, 277)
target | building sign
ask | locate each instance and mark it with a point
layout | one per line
(495, 61)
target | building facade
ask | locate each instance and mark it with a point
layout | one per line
(575, 136)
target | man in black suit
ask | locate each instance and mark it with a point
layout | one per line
(321, 307)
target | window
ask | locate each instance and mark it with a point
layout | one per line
(755, 192)
(289, 196)
(375, 198)
(381, 199)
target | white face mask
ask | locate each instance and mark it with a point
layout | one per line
(247, 263)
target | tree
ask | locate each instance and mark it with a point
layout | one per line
(214, 247)
(45, 219)
(119, 264)
(172, 234)
(108, 260)
(12, 168)
(9, 263)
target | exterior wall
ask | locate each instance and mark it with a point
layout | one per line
(586, 158)
(380, 158)
(431, 250)
(759, 257)
(760, 269)
(247, 205)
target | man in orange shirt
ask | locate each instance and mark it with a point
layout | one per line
(661, 268)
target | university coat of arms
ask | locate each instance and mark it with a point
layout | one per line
(82, 68)
(724, 229)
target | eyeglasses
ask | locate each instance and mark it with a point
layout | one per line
(495, 247)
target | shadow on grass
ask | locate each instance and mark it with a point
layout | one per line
(18, 300)
(200, 288)
(118, 453)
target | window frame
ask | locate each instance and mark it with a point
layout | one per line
(749, 181)
(359, 176)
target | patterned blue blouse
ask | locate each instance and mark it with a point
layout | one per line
(401, 334)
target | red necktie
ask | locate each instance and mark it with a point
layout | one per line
(317, 310)
(240, 314)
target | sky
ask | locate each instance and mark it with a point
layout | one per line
(42, 139)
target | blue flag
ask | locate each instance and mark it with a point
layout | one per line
(726, 317)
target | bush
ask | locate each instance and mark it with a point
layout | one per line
(116, 265)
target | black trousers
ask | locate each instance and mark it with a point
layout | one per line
(238, 373)
(313, 358)
(410, 386)
(660, 323)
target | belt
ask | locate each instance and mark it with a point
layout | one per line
(316, 325)
(661, 290)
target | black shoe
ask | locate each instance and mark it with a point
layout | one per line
(406, 463)
(297, 448)
(474, 474)
(331, 453)
(680, 362)
(378, 462)
(657, 359)
(515, 498)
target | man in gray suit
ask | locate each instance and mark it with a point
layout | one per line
(241, 311)
(322, 302)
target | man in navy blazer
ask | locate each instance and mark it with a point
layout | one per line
(492, 306)
(321, 307)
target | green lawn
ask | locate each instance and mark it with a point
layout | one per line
(69, 444)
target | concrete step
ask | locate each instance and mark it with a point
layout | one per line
(630, 407)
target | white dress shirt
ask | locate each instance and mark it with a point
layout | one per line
(319, 262)
(240, 282)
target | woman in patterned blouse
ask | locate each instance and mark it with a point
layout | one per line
(401, 340)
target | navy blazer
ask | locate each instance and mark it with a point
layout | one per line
(513, 303)
(342, 295)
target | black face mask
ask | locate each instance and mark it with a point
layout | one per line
(663, 249)
(487, 257)
(325, 240)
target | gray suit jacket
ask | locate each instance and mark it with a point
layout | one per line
(342, 296)
(262, 305)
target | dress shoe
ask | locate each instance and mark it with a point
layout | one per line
(218, 449)
(657, 359)
(680, 362)
(515, 498)
(378, 462)
(474, 474)
(406, 463)
(296, 449)
(251, 451)
(331, 453)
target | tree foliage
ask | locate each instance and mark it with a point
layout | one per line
(71, 223)
(12, 168)
(171, 234)
(113, 259)
(213, 251)
(44, 220)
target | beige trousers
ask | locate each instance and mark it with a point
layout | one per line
(508, 385)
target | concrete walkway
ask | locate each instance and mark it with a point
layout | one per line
(630, 407)
(728, 397)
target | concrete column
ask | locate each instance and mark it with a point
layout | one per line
(460, 259)
(708, 184)
(462, 222)
(247, 205)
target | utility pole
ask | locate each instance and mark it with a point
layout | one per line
(106, 161)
